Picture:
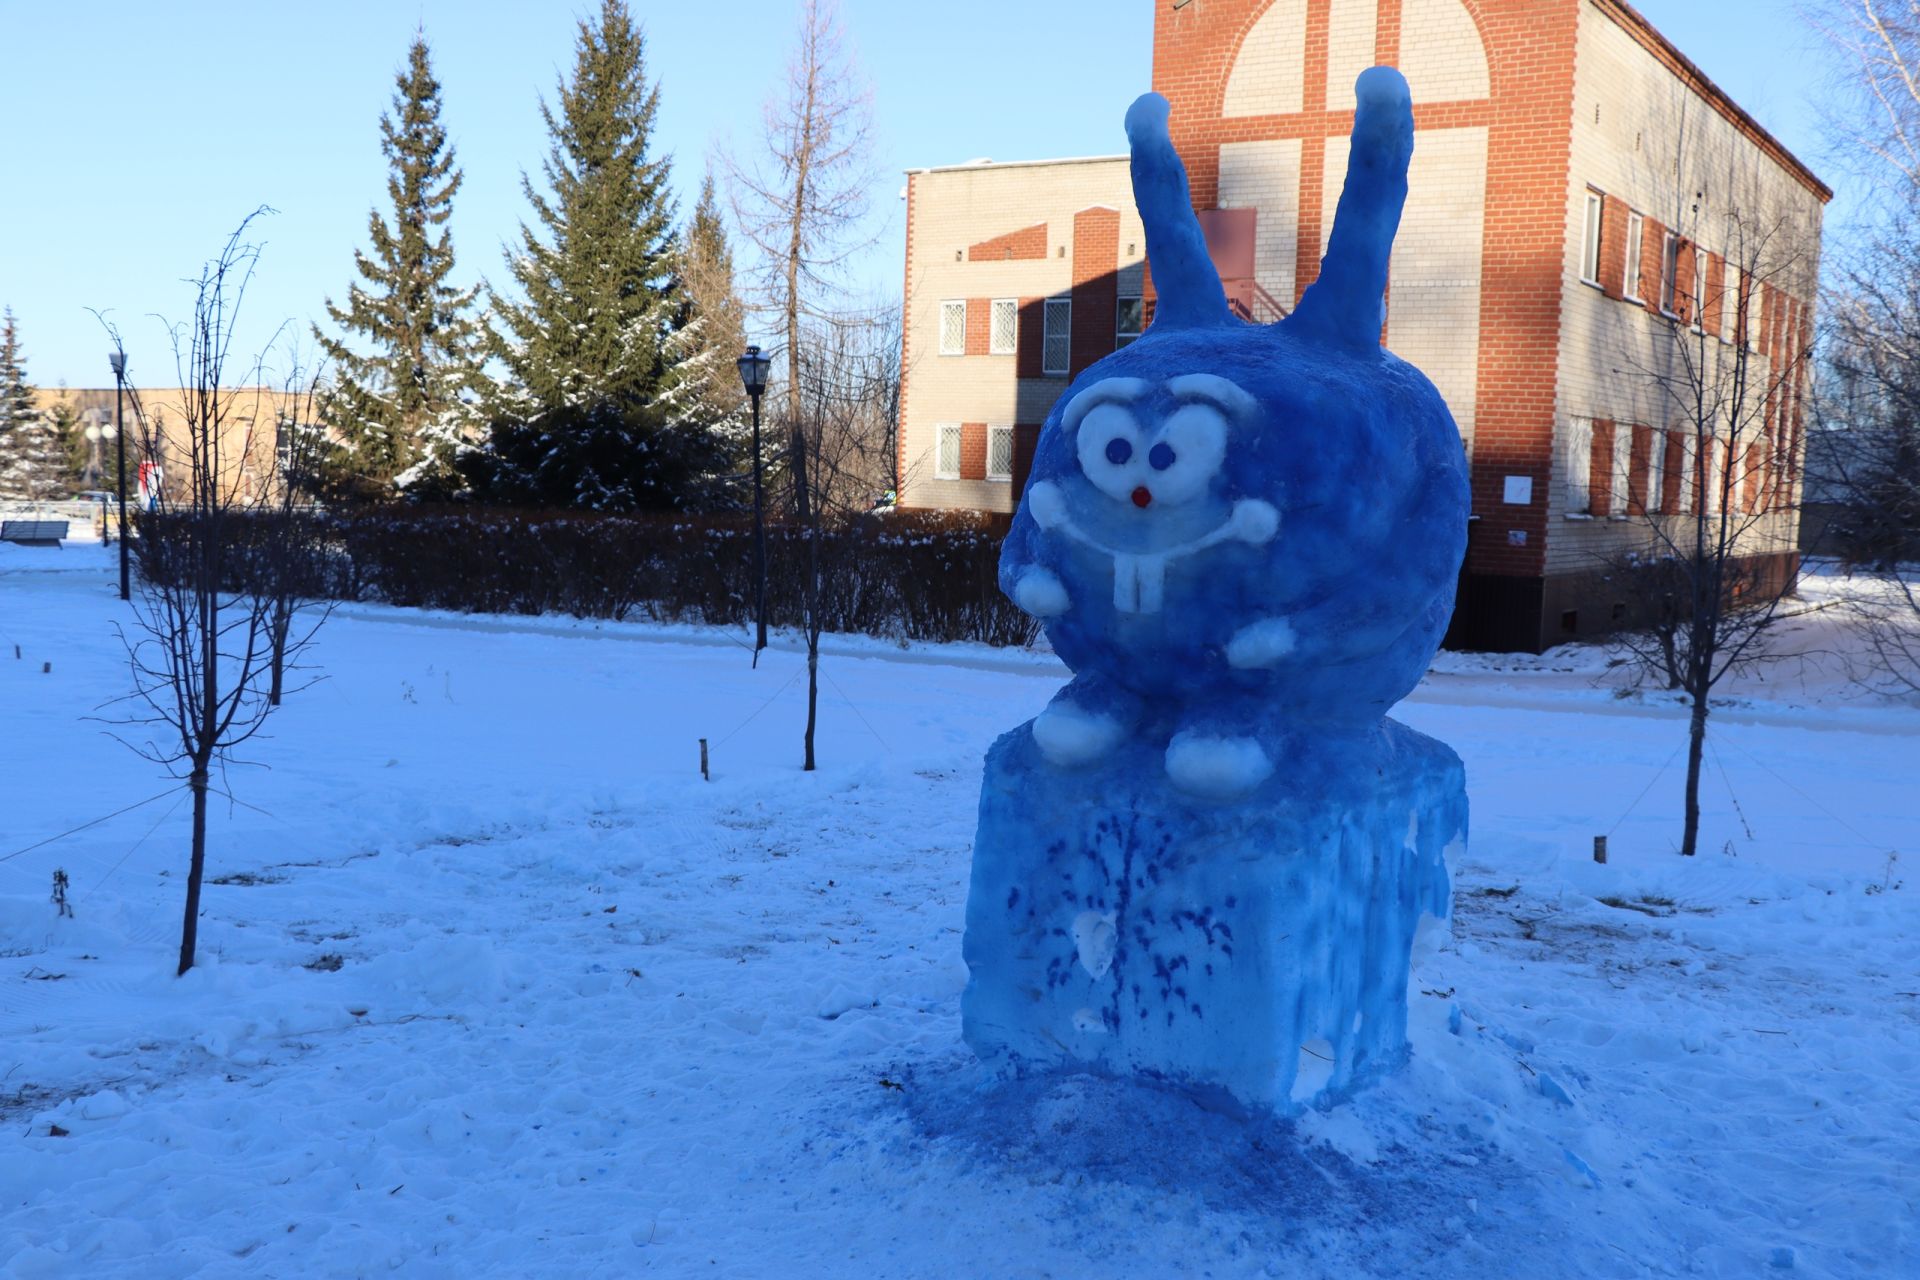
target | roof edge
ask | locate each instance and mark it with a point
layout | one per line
(1015, 164)
(1635, 24)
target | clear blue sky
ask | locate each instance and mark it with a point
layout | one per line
(138, 134)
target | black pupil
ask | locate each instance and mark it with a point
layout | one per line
(1161, 457)
(1118, 451)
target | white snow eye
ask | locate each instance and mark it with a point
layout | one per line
(1111, 452)
(1184, 457)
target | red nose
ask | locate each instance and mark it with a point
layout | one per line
(1141, 497)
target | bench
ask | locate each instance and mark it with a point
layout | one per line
(34, 533)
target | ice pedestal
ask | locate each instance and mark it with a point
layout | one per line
(1255, 953)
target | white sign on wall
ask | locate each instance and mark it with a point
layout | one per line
(1519, 490)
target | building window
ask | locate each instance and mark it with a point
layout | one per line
(1005, 328)
(946, 458)
(1126, 325)
(1056, 351)
(953, 327)
(999, 453)
(1656, 471)
(1636, 232)
(1669, 272)
(1622, 468)
(1579, 444)
(1590, 244)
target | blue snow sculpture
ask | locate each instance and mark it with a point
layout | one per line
(1206, 861)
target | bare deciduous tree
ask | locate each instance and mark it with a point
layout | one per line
(1714, 489)
(1864, 457)
(838, 456)
(802, 201)
(206, 637)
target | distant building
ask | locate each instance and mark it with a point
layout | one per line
(1557, 142)
(249, 418)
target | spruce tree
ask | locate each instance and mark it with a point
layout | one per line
(420, 338)
(32, 464)
(701, 402)
(586, 351)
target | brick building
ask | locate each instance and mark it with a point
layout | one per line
(1556, 141)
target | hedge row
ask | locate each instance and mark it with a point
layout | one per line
(907, 576)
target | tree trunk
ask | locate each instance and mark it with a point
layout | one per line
(813, 694)
(1696, 742)
(190, 931)
(282, 625)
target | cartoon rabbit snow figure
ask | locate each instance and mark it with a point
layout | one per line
(1237, 533)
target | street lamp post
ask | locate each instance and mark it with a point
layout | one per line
(753, 376)
(118, 359)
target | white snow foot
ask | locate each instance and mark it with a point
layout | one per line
(1069, 736)
(1217, 768)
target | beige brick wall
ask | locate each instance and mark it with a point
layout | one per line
(1351, 35)
(1269, 77)
(1441, 53)
(954, 208)
(1433, 279)
(1643, 136)
(1266, 176)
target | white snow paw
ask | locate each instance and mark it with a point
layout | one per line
(1260, 644)
(1216, 768)
(1068, 735)
(1046, 504)
(1040, 593)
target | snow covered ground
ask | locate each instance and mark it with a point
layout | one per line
(492, 983)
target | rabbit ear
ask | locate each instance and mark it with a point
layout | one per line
(1187, 288)
(1344, 306)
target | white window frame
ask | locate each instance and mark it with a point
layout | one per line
(999, 433)
(1636, 233)
(1656, 472)
(1754, 312)
(1122, 337)
(947, 308)
(1010, 308)
(1590, 238)
(1062, 329)
(1689, 471)
(1669, 274)
(1716, 474)
(1729, 301)
(1579, 464)
(940, 438)
(1622, 468)
(1699, 287)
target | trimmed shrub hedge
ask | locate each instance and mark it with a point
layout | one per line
(907, 576)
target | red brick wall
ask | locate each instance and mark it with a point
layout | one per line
(1600, 468)
(1096, 285)
(979, 325)
(1670, 496)
(1529, 117)
(1026, 439)
(1613, 246)
(1021, 245)
(973, 451)
(1029, 359)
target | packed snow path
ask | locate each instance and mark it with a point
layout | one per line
(496, 985)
